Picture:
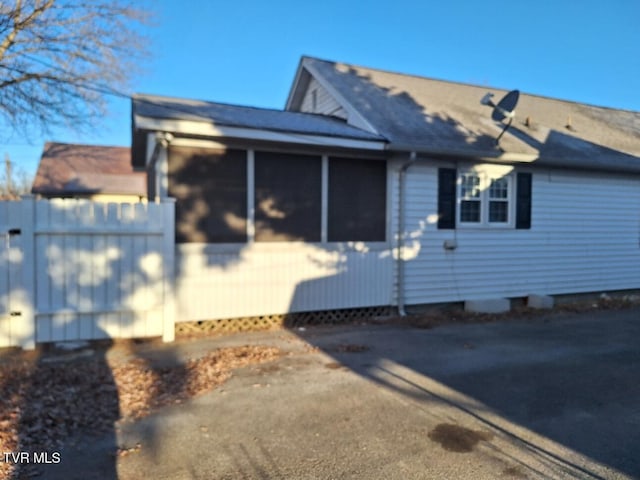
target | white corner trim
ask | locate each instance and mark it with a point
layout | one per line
(251, 197)
(151, 146)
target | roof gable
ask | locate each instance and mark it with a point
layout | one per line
(318, 100)
(307, 77)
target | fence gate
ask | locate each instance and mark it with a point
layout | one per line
(82, 270)
(13, 330)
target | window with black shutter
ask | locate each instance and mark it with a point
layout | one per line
(523, 201)
(446, 198)
(483, 197)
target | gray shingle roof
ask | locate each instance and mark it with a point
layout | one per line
(220, 114)
(445, 117)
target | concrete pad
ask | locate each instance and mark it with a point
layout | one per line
(494, 305)
(540, 301)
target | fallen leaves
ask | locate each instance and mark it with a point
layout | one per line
(125, 451)
(143, 388)
(46, 403)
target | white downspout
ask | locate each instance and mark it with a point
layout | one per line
(400, 233)
(162, 141)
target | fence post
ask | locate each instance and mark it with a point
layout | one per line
(169, 268)
(28, 317)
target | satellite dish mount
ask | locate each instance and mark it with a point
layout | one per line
(504, 109)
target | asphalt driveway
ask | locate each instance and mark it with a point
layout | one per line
(545, 398)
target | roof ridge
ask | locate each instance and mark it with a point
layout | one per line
(71, 144)
(138, 96)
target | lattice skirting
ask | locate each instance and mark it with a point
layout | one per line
(287, 320)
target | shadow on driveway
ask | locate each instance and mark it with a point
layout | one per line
(574, 380)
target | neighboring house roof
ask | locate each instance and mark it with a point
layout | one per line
(446, 118)
(68, 169)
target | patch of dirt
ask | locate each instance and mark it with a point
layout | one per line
(514, 472)
(268, 369)
(455, 438)
(46, 403)
(334, 365)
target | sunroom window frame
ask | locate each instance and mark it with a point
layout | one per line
(250, 183)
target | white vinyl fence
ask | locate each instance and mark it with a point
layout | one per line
(80, 270)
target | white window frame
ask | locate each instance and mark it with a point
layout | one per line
(486, 175)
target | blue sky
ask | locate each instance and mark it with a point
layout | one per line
(246, 51)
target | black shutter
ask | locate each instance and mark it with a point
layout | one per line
(446, 198)
(523, 201)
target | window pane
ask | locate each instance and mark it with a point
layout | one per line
(469, 211)
(470, 186)
(498, 212)
(357, 200)
(210, 188)
(499, 188)
(287, 197)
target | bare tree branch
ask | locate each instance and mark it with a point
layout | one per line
(14, 181)
(60, 59)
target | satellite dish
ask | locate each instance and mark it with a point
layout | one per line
(505, 109)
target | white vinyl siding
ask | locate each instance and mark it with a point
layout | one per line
(584, 237)
(318, 100)
(262, 279)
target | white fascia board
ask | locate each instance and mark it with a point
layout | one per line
(502, 157)
(197, 143)
(296, 84)
(207, 129)
(355, 118)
